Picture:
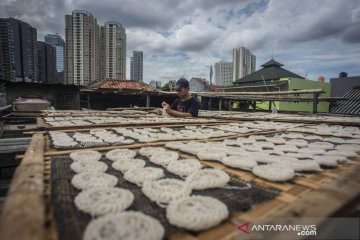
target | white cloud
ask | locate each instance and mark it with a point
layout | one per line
(182, 37)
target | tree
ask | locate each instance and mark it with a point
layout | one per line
(165, 87)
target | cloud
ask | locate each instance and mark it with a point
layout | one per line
(182, 37)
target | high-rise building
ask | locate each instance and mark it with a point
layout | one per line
(58, 42)
(113, 51)
(223, 73)
(136, 66)
(46, 60)
(244, 63)
(17, 51)
(82, 48)
(155, 84)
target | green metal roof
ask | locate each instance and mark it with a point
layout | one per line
(271, 71)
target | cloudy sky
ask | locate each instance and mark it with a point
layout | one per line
(182, 37)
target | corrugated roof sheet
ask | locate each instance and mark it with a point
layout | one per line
(351, 103)
(124, 85)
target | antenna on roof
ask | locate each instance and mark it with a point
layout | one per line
(272, 54)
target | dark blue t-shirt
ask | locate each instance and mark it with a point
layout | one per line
(190, 106)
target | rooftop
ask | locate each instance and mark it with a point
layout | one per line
(350, 104)
(123, 85)
(272, 70)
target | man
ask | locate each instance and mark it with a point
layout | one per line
(185, 105)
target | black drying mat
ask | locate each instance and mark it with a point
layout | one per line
(71, 222)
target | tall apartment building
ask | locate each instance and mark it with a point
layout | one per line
(136, 66)
(46, 60)
(113, 51)
(244, 63)
(17, 51)
(155, 84)
(82, 48)
(223, 73)
(58, 42)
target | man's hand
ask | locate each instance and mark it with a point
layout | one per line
(166, 107)
(158, 111)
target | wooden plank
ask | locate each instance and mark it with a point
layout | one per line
(23, 213)
(182, 236)
(291, 197)
(258, 211)
(248, 176)
(223, 231)
(329, 199)
(50, 221)
(218, 94)
(74, 128)
(52, 128)
(279, 119)
(296, 190)
(40, 123)
(51, 230)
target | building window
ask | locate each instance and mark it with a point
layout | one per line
(296, 95)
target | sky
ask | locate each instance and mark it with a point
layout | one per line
(184, 37)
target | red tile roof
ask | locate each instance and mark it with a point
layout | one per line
(125, 85)
(200, 80)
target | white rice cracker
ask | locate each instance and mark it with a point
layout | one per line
(184, 167)
(304, 165)
(128, 225)
(140, 175)
(163, 191)
(276, 172)
(88, 166)
(196, 212)
(85, 155)
(101, 201)
(118, 154)
(208, 178)
(211, 154)
(239, 162)
(88, 180)
(164, 158)
(123, 165)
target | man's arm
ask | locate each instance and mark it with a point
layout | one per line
(175, 113)
(179, 114)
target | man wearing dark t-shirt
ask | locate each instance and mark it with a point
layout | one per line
(185, 105)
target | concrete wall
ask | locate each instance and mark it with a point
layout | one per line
(102, 101)
(300, 84)
(2, 99)
(339, 86)
(60, 96)
(195, 86)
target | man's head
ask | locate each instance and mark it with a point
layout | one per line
(182, 87)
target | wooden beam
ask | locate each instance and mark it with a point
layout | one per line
(88, 101)
(111, 125)
(40, 123)
(336, 194)
(5, 108)
(272, 98)
(306, 91)
(23, 214)
(315, 102)
(147, 100)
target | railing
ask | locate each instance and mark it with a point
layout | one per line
(270, 96)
